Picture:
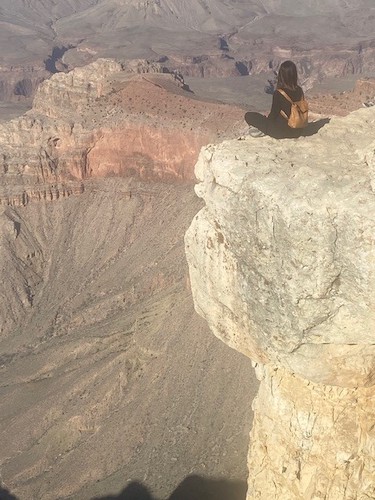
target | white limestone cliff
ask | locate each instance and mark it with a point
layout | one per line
(282, 267)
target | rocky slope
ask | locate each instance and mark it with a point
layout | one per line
(282, 262)
(107, 375)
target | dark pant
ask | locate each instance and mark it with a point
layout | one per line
(279, 129)
(257, 120)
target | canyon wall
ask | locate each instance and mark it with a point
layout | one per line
(104, 378)
(282, 267)
(200, 39)
(105, 120)
(104, 374)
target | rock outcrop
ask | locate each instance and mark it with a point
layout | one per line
(282, 266)
(104, 120)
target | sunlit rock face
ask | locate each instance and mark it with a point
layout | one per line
(282, 264)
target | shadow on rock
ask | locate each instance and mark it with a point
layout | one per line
(200, 488)
(5, 495)
(313, 127)
(135, 491)
(191, 488)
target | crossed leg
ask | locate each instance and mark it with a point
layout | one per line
(257, 120)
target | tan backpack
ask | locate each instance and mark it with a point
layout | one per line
(299, 112)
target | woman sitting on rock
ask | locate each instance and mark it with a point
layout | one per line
(276, 123)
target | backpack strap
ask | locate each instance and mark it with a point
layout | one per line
(282, 113)
(282, 92)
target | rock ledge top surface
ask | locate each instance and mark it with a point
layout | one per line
(282, 256)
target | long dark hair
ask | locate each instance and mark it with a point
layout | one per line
(287, 76)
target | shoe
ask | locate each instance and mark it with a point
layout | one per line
(255, 132)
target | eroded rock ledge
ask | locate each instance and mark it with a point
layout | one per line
(282, 262)
(104, 120)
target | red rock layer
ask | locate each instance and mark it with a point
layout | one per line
(99, 121)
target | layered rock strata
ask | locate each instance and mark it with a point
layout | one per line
(282, 266)
(104, 120)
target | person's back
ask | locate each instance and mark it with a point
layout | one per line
(276, 124)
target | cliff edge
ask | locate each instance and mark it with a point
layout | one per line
(282, 262)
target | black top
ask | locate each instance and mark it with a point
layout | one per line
(276, 121)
